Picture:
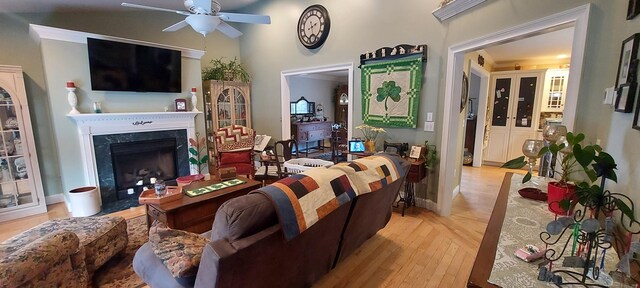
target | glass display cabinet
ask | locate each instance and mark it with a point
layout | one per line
(21, 192)
(226, 103)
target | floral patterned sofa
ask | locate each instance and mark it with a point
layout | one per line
(61, 252)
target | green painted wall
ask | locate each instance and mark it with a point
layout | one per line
(360, 26)
(67, 61)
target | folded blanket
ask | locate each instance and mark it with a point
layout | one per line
(371, 173)
(303, 199)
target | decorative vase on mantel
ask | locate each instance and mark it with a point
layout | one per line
(370, 146)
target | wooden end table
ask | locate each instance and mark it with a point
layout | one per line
(195, 214)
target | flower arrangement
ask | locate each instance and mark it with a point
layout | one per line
(370, 132)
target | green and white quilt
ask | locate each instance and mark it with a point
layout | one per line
(391, 92)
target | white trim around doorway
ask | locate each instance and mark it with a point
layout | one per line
(285, 96)
(577, 17)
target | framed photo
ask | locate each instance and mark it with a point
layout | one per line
(417, 152)
(636, 117)
(628, 56)
(181, 105)
(625, 96)
(633, 9)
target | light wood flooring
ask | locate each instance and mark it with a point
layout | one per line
(418, 250)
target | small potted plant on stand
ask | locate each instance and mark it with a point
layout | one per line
(225, 71)
(562, 189)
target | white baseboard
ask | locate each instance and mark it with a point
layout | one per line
(52, 199)
(427, 204)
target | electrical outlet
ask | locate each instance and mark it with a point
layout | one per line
(429, 117)
(429, 126)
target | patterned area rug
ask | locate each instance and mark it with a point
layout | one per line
(118, 272)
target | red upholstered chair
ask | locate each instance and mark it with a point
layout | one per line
(234, 145)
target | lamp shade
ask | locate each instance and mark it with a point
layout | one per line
(203, 24)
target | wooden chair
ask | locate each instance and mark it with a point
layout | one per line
(234, 148)
(272, 168)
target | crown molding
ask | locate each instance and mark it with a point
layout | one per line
(52, 33)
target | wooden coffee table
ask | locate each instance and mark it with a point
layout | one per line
(195, 214)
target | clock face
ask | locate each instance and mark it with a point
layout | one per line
(313, 26)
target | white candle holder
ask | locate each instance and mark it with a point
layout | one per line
(73, 100)
(194, 102)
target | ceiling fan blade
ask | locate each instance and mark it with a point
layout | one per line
(228, 30)
(176, 27)
(154, 8)
(245, 18)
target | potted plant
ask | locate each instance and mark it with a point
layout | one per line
(431, 156)
(225, 71)
(562, 189)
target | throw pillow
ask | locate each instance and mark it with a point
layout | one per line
(235, 157)
(180, 251)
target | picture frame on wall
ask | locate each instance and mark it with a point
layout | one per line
(464, 98)
(636, 116)
(627, 63)
(625, 96)
(633, 9)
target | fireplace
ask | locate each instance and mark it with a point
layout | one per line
(99, 131)
(139, 164)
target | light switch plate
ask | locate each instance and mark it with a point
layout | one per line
(429, 116)
(429, 126)
(609, 95)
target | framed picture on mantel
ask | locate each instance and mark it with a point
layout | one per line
(181, 105)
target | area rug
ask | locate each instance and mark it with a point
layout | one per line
(118, 272)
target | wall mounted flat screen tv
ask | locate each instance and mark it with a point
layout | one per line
(117, 66)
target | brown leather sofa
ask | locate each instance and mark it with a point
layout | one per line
(248, 248)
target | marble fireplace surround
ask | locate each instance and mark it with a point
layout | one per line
(90, 125)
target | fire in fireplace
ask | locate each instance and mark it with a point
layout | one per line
(139, 164)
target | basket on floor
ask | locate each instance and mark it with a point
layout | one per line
(299, 165)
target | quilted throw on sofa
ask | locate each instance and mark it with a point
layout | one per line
(303, 199)
(371, 173)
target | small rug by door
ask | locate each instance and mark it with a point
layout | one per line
(118, 272)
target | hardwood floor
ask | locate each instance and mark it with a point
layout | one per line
(418, 250)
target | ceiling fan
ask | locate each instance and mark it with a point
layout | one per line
(204, 16)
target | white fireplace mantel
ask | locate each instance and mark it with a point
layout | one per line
(116, 123)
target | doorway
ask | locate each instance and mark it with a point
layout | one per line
(449, 172)
(291, 82)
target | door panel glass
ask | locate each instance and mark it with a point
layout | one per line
(240, 106)
(526, 101)
(224, 109)
(14, 189)
(501, 102)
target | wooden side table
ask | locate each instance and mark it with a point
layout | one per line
(196, 214)
(417, 172)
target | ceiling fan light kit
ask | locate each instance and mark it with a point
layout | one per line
(204, 17)
(203, 24)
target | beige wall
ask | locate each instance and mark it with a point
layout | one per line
(46, 96)
(360, 26)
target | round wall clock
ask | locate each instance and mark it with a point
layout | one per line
(313, 26)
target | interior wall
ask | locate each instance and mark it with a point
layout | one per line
(388, 24)
(18, 47)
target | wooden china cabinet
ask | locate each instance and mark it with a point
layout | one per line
(226, 103)
(21, 192)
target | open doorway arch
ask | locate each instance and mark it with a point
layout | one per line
(285, 96)
(577, 17)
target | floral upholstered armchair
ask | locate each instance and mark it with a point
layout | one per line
(234, 147)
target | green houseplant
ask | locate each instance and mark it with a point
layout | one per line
(225, 71)
(431, 156)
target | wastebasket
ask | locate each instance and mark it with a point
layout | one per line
(85, 201)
